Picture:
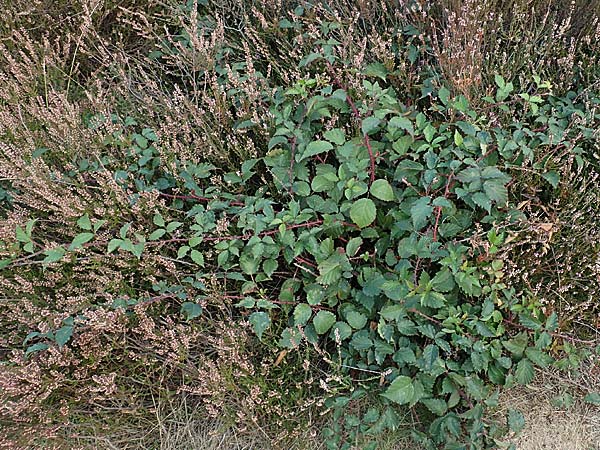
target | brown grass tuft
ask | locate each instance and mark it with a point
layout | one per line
(556, 416)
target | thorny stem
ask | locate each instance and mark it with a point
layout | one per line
(199, 198)
(552, 333)
(305, 261)
(275, 302)
(293, 154)
(439, 208)
(358, 116)
(243, 236)
(422, 314)
(241, 297)
(23, 261)
(416, 277)
(149, 301)
(292, 157)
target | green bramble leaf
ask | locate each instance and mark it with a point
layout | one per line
(401, 390)
(341, 330)
(314, 148)
(98, 224)
(138, 249)
(436, 405)
(483, 201)
(517, 344)
(530, 322)
(114, 244)
(515, 420)
(443, 281)
(444, 95)
(277, 141)
(158, 220)
(331, 269)
(538, 357)
(323, 321)
(157, 234)
(21, 235)
(270, 266)
(37, 347)
(309, 59)
(402, 123)
(335, 135)
(124, 229)
(323, 183)
(353, 245)
(430, 355)
(376, 70)
(433, 299)
(63, 335)
(356, 320)
(290, 338)
(29, 226)
(369, 125)
(195, 240)
(363, 212)
(429, 132)
(183, 251)
(552, 322)
(260, 321)
(54, 255)
(80, 239)
(197, 257)
(302, 188)
(496, 191)
(173, 226)
(499, 81)
(421, 211)
(458, 139)
(222, 258)
(141, 140)
(552, 177)
(302, 313)
(524, 372)
(191, 310)
(593, 398)
(469, 284)
(382, 190)
(84, 222)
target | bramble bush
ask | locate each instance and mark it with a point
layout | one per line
(367, 228)
(370, 229)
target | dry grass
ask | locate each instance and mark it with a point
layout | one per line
(476, 39)
(551, 423)
(180, 425)
(551, 428)
(556, 419)
(556, 416)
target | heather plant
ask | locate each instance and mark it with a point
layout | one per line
(282, 211)
(474, 40)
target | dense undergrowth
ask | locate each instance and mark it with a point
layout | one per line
(355, 217)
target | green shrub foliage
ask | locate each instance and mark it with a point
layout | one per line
(370, 228)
